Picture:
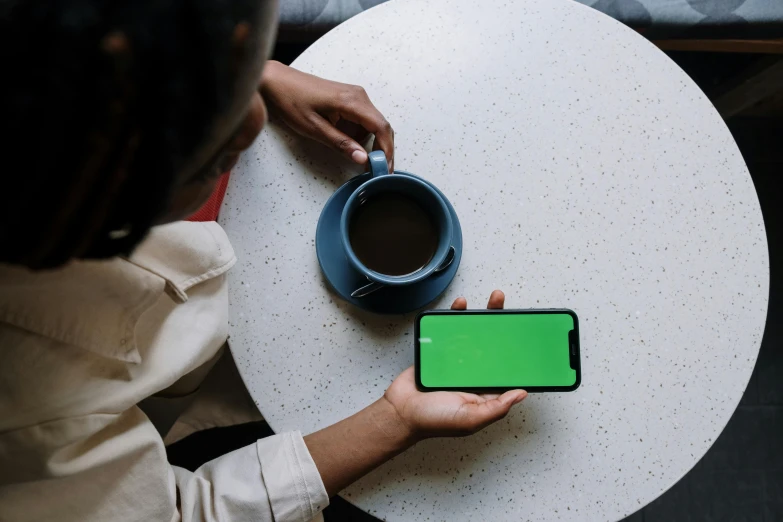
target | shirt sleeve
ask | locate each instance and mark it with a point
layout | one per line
(113, 467)
(274, 479)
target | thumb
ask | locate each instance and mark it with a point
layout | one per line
(513, 397)
(483, 414)
(330, 136)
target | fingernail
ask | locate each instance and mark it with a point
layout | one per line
(519, 398)
(359, 156)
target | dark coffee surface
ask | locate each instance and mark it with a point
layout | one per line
(393, 235)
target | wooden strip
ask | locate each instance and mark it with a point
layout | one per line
(774, 46)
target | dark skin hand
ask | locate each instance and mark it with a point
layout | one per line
(346, 451)
(335, 114)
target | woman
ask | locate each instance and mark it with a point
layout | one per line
(119, 118)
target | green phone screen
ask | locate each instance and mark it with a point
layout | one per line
(488, 350)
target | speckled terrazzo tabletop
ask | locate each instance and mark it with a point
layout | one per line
(588, 172)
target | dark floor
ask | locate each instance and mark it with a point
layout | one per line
(741, 478)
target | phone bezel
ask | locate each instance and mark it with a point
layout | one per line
(500, 389)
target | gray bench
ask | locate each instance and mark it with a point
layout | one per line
(657, 19)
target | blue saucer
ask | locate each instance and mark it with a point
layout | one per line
(344, 279)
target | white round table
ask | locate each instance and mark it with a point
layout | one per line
(588, 172)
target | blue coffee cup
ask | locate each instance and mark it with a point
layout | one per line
(414, 188)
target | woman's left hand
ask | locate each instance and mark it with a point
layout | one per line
(448, 414)
(335, 114)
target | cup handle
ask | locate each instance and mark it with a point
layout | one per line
(378, 164)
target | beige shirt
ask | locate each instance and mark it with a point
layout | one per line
(80, 347)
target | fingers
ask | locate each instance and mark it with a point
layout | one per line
(357, 107)
(513, 397)
(329, 135)
(408, 373)
(460, 303)
(351, 129)
(496, 300)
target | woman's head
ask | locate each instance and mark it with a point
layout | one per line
(118, 115)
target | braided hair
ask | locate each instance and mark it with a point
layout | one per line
(103, 104)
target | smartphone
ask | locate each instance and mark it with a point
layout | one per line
(492, 351)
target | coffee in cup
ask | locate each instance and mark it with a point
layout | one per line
(395, 229)
(392, 234)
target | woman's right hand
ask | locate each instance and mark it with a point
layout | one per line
(335, 114)
(448, 414)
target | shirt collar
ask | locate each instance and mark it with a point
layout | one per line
(96, 305)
